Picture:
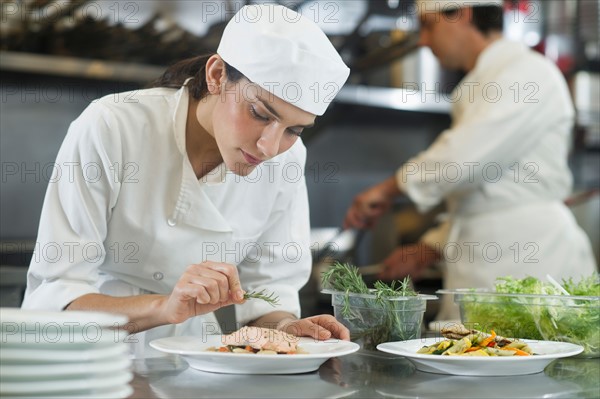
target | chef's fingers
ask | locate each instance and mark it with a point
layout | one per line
(225, 274)
(306, 328)
(233, 277)
(326, 326)
(216, 283)
(207, 293)
(334, 327)
(187, 290)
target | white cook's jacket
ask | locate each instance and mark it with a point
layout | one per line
(502, 170)
(125, 214)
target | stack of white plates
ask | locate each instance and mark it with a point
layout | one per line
(63, 354)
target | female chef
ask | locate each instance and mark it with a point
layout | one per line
(186, 195)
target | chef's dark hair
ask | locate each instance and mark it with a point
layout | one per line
(486, 19)
(195, 67)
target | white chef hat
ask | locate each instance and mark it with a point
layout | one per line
(433, 6)
(286, 54)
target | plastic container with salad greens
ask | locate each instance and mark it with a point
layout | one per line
(535, 309)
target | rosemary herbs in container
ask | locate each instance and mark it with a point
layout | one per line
(385, 313)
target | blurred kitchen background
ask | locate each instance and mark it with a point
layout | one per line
(57, 56)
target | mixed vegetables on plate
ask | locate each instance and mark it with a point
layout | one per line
(464, 342)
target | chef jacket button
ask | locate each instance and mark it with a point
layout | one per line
(158, 276)
(171, 222)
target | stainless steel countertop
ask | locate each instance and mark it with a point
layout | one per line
(363, 375)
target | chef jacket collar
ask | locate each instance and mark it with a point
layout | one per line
(493, 55)
(193, 206)
(218, 174)
(180, 117)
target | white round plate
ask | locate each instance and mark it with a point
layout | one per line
(545, 352)
(116, 392)
(32, 355)
(194, 351)
(111, 380)
(62, 339)
(68, 320)
(121, 392)
(15, 372)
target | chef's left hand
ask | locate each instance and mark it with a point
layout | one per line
(318, 327)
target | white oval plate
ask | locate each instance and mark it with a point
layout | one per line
(116, 392)
(63, 340)
(546, 352)
(32, 355)
(194, 351)
(105, 381)
(68, 320)
(16, 372)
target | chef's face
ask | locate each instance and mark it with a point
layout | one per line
(250, 125)
(445, 36)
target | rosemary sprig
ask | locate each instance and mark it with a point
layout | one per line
(271, 298)
(344, 277)
(383, 290)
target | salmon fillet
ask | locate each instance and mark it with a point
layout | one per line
(262, 338)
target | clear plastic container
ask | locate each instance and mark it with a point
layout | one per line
(566, 318)
(373, 321)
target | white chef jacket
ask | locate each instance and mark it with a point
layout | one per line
(502, 169)
(125, 214)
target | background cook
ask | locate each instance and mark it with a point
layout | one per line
(505, 158)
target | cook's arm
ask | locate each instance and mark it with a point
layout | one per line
(74, 216)
(202, 288)
(75, 213)
(143, 311)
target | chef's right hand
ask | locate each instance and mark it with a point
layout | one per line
(368, 207)
(203, 288)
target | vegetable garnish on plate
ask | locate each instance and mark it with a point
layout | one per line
(261, 341)
(464, 342)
